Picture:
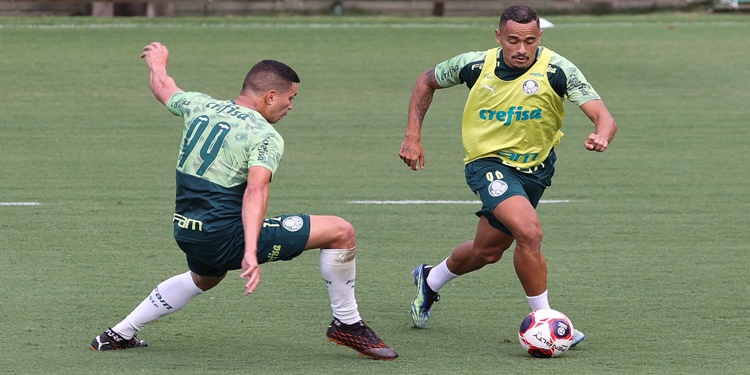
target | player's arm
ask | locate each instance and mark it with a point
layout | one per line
(578, 90)
(254, 204)
(604, 124)
(411, 151)
(162, 85)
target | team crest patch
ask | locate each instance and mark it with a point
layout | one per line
(497, 188)
(293, 223)
(530, 87)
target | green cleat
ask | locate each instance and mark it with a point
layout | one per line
(420, 308)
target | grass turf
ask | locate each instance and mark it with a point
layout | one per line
(649, 258)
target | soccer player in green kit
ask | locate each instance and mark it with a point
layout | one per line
(510, 126)
(228, 156)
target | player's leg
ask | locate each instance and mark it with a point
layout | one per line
(519, 216)
(168, 297)
(486, 248)
(337, 242)
(285, 237)
(330, 232)
(493, 183)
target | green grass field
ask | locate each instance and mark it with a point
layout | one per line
(649, 257)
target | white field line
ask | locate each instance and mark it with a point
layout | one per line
(20, 204)
(268, 25)
(447, 202)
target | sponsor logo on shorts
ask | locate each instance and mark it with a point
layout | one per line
(293, 223)
(497, 188)
(185, 222)
(274, 255)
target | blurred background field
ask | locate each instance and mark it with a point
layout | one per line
(447, 8)
(649, 257)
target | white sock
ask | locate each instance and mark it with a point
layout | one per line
(439, 276)
(169, 296)
(539, 302)
(338, 268)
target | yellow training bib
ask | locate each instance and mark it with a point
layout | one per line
(518, 121)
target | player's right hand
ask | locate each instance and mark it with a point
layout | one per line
(412, 153)
(156, 55)
(250, 271)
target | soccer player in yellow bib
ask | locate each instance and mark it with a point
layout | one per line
(510, 126)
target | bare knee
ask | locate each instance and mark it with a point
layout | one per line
(529, 237)
(331, 232)
(344, 234)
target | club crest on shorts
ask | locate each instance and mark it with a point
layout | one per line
(530, 87)
(497, 188)
(293, 223)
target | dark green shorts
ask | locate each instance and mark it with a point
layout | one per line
(493, 182)
(281, 238)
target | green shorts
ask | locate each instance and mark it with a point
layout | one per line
(493, 182)
(281, 238)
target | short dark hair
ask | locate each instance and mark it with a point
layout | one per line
(520, 14)
(269, 75)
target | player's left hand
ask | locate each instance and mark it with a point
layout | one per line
(596, 143)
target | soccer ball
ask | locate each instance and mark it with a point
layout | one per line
(546, 333)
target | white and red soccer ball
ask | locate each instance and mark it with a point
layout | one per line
(546, 333)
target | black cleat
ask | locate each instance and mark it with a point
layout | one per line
(111, 340)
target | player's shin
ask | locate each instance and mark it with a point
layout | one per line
(338, 268)
(169, 296)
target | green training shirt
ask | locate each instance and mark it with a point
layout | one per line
(220, 142)
(565, 78)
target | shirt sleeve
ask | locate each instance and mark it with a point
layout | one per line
(578, 88)
(448, 72)
(180, 101)
(267, 153)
